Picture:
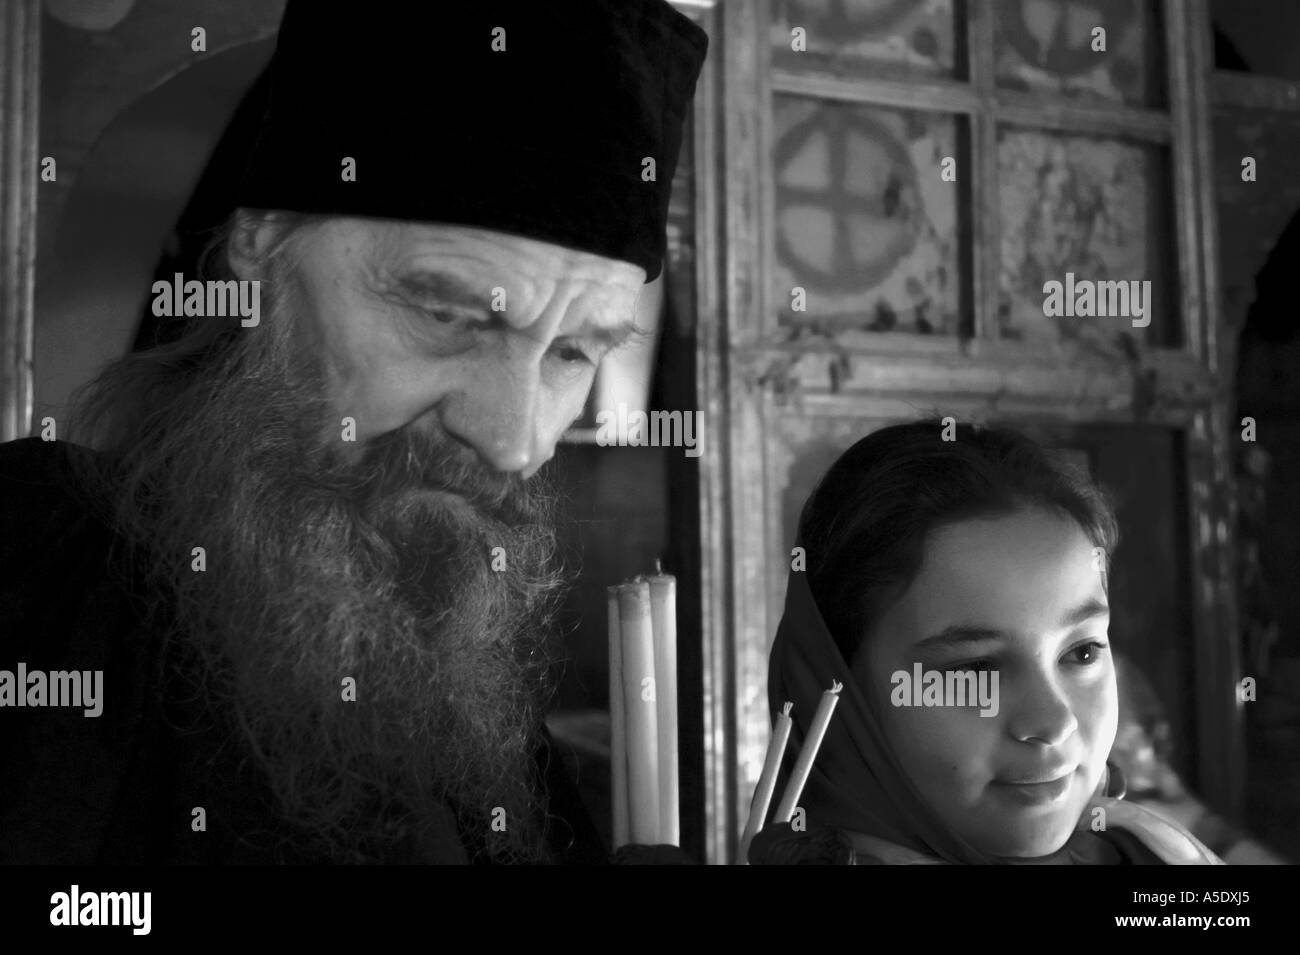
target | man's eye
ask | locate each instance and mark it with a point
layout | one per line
(441, 331)
(445, 317)
(570, 353)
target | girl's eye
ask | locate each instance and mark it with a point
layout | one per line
(974, 666)
(1087, 654)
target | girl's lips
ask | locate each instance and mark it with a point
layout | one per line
(1034, 794)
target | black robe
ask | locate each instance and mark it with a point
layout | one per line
(121, 788)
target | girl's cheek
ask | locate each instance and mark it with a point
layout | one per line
(1097, 708)
(943, 741)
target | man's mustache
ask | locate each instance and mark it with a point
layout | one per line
(406, 459)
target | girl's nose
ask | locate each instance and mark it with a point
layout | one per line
(1040, 711)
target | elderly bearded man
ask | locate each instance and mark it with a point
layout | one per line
(450, 219)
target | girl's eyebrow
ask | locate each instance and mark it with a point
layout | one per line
(958, 634)
(1085, 611)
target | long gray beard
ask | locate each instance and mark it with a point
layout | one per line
(323, 566)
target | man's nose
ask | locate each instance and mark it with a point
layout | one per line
(1041, 711)
(497, 415)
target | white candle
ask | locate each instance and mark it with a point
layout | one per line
(663, 617)
(617, 725)
(803, 765)
(767, 780)
(640, 712)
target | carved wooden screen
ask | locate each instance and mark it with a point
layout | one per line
(924, 293)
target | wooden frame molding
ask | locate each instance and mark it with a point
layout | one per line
(20, 54)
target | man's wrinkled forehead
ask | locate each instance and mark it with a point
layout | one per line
(520, 277)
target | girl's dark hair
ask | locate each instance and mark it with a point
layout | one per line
(865, 526)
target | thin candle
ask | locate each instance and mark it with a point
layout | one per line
(617, 725)
(663, 617)
(803, 765)
(767, 780)
(640, 711)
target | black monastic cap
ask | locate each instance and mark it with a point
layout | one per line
(545, 138)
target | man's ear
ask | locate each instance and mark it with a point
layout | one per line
(255, 233)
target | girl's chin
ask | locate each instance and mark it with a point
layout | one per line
(1039, 842)
(1026, 835)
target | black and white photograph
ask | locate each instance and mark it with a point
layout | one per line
(594, 433)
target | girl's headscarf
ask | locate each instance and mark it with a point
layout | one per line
(856, 783)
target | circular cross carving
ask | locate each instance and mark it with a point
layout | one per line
(867, 223)
(1056, 35)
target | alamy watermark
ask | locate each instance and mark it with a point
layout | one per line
(1085, 298)
(83, 688)
(946, 688)
(656, 429)
(179, 298)
(78, 908)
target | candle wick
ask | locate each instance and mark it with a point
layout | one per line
(785, 710)
(836, 686)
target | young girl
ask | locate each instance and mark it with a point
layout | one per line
(983, 558)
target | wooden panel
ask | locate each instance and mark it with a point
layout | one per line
(1096, 209)
(19, 99)
(986, 223)
(866, 226)
(1169, 388)
(1188, 47)
(1048, 48)
(900, 38)
(727, 488)
(1032, 110)
(1248, 91)
(803, 447)
(712, 143)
